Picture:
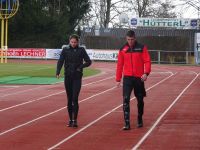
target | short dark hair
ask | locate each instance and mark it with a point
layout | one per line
(130, 33)
(74, 36)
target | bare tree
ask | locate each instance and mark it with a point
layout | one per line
(193, 5)
(165, 10)
(144, 8)
(105, 13)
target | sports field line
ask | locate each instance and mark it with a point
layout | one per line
(31, 101)
(101, 117)
(42, 86)
(41, 117)
(23, 91)
(44, 116)
(88, 77)
(163, 114)
(9, 86)
(161, 72)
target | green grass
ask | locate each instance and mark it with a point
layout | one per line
(36, 70)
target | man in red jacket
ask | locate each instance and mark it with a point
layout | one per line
(134, 64)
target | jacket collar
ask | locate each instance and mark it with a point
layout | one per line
(126, 47)
(73, 47)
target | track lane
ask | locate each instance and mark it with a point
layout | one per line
(125, 139)
(181, 125)
(48, 105)
(7, 104)
(18, 133)
(58, 122)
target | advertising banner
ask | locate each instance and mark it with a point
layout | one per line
(26, 53)
(165, 22)
(53, 53)
(94, 54)
(105, 55)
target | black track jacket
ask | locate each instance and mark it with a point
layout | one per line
(74, 60)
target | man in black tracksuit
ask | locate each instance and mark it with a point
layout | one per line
(74, 59)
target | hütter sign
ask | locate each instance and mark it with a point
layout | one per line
(165, 22)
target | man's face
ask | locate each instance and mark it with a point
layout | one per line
(73, 42)
(131, 41)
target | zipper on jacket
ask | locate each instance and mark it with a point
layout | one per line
(132, 61)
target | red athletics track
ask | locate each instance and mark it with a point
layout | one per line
(34, 117)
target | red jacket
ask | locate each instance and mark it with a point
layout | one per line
(133, 62)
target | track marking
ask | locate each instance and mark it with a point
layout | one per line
(89, 77)
(9, 86)
(31, 101)
(163, 114)
(161, 72)
(23, 91)
(50, 85)
(101, 117)
(41, 117)
(38, 88)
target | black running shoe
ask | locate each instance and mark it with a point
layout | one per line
(126, 127)
(140, 123)
(70, 124)
(75, 125)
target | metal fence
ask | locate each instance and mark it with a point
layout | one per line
(165, 39)
(172, 57)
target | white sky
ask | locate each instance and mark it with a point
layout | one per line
(182, 11)
(187, 11)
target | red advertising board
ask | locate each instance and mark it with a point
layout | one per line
(26, 53)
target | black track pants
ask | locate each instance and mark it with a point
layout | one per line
(129, 84)
(72, 87)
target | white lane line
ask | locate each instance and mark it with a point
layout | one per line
(23, 91)
(99, 80)
(9, 86)
(161, 72)
(89, 77)
(42, 86)
(163, 114)
(31, 101)
(41, 117)
(101, 117)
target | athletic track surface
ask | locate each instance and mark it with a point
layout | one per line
(34, 117)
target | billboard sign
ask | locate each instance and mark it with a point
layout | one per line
(165, 22)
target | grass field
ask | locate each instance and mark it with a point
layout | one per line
(26, 73)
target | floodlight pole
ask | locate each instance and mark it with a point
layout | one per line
(2, 40)
(8, 8)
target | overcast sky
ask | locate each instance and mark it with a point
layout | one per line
(182, 9)
(187, 11)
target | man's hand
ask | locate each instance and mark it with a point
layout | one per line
(78, 69)
(58, 76)
(144, 77)
(118, 84)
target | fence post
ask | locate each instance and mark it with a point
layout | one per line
(158, 57)
(187, 59)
